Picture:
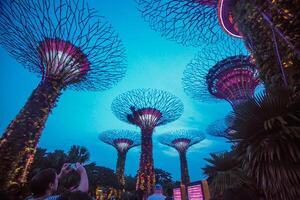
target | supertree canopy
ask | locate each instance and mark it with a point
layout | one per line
(68, 45)
(122, 140)
(190, 22)
(218, 128)
(147, 108)
(221, 73)
(182, 140)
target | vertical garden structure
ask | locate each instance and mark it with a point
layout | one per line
(227, 73)
(189, 22)
(122, 141)
(69, 46)
(182, 140)
(147, 109)
(271, 28)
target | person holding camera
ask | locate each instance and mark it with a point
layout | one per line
(44, 184)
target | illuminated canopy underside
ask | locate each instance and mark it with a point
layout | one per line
(181, 144)
(233, 79)
(60, 60)
(123, 144)
(148, 117)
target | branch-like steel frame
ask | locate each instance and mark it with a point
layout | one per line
(68, 45)
(189, 22)
(182, 140)
(147, 108)
(222, 72)
(122, 141)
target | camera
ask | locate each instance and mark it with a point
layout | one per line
(72, 165)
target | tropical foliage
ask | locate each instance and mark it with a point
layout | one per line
(267, 138)
(224, 172)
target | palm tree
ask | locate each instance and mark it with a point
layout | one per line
(267, 138)
(78, 154)
(224, 173)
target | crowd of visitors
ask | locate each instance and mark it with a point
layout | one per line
(44, 186)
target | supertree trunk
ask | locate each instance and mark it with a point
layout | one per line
(120, 169)
(146, 175)
(19, 141)
(185, 178)
(276, 51)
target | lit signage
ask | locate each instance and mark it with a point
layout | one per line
(176, 194)
(195, 192)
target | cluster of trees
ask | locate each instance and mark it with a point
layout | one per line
(98, 175)
(265, 155)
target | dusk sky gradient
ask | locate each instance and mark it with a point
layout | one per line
(153, 62)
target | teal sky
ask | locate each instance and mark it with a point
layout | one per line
(153, 62)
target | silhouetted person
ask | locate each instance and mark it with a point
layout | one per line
(44, 184)
(158, 190)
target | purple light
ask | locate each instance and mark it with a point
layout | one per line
(177, 194)
(195, 192)
(62, 60)
(233, 79)
(147, 117)
(181, 144)
(122, 144)
(226, 20)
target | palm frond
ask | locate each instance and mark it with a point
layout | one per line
(267, 138)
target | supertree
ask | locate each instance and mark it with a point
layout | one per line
(190, 22)
(122, 141)
(147, 109)
(182, 140)
(271, 29)
(227, 73)
(68, 45)
(221, 127)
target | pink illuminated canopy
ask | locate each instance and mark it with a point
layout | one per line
(122, 144)
(62, 60)
(226, 20)
(181, 144)
(147, 117)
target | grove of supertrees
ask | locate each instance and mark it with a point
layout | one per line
(226, 73)
(271, 29)
(147, 109)
(182, 140)
(69, 46)
(122, 141)
(190, 22)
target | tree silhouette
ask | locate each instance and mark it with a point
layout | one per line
(122, 141)
(147, 108)
(69, 46)
(78, 154)
(182, 140)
